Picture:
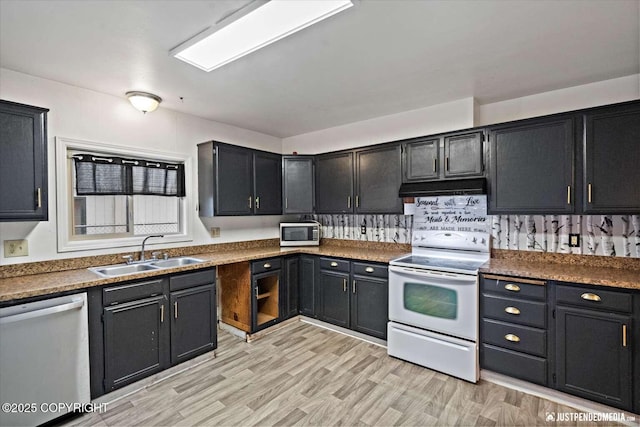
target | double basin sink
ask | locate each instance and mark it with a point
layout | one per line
(151, 265)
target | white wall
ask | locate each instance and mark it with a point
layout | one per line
(424, 121)
(572, 98)
(96, 117)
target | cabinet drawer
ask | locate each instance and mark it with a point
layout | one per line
(370, 270)
(334, 264)
(515, 310)
(514, 364)
(131, 291)
(189, 280)
(266, 265)
(519, 288)
(594, 298)
(514, 337)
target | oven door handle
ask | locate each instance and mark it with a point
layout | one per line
(433, 275)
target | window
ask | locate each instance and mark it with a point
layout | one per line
(115, 197)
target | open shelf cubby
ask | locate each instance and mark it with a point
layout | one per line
(267, 296)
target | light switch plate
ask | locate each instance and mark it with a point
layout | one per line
(13, 248)
(215, 231)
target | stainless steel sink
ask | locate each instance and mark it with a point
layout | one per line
(124, 269)
(121, 270)
(175, 262)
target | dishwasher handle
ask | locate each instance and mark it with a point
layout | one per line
(72, 305)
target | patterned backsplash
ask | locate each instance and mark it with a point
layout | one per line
(609, 235)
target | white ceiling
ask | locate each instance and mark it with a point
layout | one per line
(377, 58)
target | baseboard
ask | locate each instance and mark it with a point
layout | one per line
(344, 331)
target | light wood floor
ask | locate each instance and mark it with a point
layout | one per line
(305, 375)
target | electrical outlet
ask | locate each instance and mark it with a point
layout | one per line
(215, 231)
(363, 229)
(574, 240)
(16, 248)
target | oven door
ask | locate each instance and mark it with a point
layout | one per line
(437, 301)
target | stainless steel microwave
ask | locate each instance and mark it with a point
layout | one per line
(299, 234)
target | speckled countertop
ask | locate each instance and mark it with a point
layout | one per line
(587, 269)
(37, 283)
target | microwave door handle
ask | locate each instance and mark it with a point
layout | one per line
(441, 276)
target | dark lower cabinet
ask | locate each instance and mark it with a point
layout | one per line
(135, 341)
(191, 333)
(142, 327)
(266, 286)
(23, 162)
(308, 289)
(335, 297)
(594, 355)
(354, 295)
(290, 288)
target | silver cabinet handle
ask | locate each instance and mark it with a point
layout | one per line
(589, 192)
(344, 285)
(446, 163)
(175, 309)
(512, 338)
(267, 265)
(348, 202)
(286, 203)
(257, 202)
(162, 313)
(511, 287)
(333, 264)
(354, 286)
(250, 205)
(435, 165)
(568, 194)
(590, 297)
(256, 292)
(39, 197)
(357, 201)
(369, 269)
(512, 310)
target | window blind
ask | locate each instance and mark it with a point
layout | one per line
(119, 176)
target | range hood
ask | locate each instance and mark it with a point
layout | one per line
(444, 188)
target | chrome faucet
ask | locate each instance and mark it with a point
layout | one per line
(142, 258)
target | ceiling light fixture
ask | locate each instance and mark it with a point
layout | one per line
(253, 27)
(144, 101)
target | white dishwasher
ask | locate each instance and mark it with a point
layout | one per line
(44, 359)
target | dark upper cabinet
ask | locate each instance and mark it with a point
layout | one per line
(23, 162)
(378, 179)
(594, 355)
(421, 160)
(267, 183)
(297, 184)
(193, 325)
(463, 155)
(308, 290)
(235, 180)
(135, 341)
(612, 160)
(531, 167)
(369, 305)
(289, 294)
(334, 289)
(334, 183)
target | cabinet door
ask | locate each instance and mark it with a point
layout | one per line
(308, 300)
(334, 183)
(298, 188)
(265, 300)
(463, 155)
(369, 306)
(234, 187)
(268, 183)
(594, 355)
(193, 322)
(378, 179)
(136, 342)
(420, 160)
(334, 289)
(23, 162)
(612, 161)
(531, 168)
(289, 297)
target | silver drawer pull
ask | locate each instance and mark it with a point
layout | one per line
(334, 264)
(590, 297)
(267, 265)
(511, 287)
(369, 269)
(512, 338)
(512, 310)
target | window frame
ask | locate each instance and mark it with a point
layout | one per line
(64, 196)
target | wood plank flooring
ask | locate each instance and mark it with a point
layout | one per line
(305, 375)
